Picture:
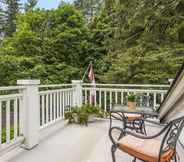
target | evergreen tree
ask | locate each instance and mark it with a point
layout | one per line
(30, 5)
(90, 8)
(12, 9)
(62, 3)
(143, 40)
(2, 19)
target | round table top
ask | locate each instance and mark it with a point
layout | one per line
(138, 110)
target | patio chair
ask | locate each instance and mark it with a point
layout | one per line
(160, 147)
(129, 121)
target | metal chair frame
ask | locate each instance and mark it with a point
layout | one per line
(138, 124)
(170, 134)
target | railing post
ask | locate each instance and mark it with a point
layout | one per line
(77, 94)
(30, 112)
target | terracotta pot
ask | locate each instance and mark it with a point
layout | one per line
(131, 105)
(92, 118)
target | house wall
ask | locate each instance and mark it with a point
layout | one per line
(173, 106)
(178, 111)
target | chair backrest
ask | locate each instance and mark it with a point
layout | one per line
(173, 131)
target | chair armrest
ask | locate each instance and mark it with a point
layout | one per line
(155, 122)
(125, 132)
(148, 137)
(120, 115)
(111, 136)
(141, 136)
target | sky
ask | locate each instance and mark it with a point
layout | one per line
(47, 4)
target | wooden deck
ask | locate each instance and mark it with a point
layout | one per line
(74, 143)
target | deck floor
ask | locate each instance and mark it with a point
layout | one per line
(76, 143)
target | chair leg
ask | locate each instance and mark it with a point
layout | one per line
(110, 121)
(175, 158)
(144, 128)
(113, 150)
(134, 160)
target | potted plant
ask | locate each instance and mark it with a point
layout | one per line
(131, 102)
(84, 114)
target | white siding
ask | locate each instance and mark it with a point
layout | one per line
(182, 138)
(173, 107)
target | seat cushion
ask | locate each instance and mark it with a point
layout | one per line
(129, 116)
(144, 149)
(132, 117)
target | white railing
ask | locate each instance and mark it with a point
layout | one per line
(29, 110)
(10, 116)
(54, 102)
(107, 94)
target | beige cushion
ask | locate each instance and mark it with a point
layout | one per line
(132, 117)
(129, 116)
(144, 149)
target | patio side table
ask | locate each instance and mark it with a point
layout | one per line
(134, 119)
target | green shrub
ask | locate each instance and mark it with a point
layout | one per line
(81, 114)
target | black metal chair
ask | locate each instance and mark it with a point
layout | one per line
(149, 148)
(129, 121)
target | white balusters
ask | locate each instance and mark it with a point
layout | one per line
(50, 108)
(95, 98)
(122, 97)
(58, 105)
(116, 93)
(100, 98)
(47, 108)
(110, 95)
(68, 99)
(42, 109)
(10, 119)
(154, 100)
(116, 97)
(54, 106)
(61, 106)
(86, 96)
(141, 100)
(105, 100)
(148, 100)
(54, 103)
(90, 99)
(7, 121)
(15, 119)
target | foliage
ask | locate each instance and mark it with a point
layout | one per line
(12, 9)
(30, 5)
(90, 8)
(13, 68)
(131, 98)
(81, 114)
(142, 42)
(128, 41)
(57, 40)
(3, 139)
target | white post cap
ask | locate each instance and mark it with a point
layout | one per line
(28, 82)
(77, 81)
(170, 80)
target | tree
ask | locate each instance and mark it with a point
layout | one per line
(138, 65)
(139, 37)
(12, 9)
(57, 40)
(62, 3)
(90, 8)
(2, 22)
(30, 5)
